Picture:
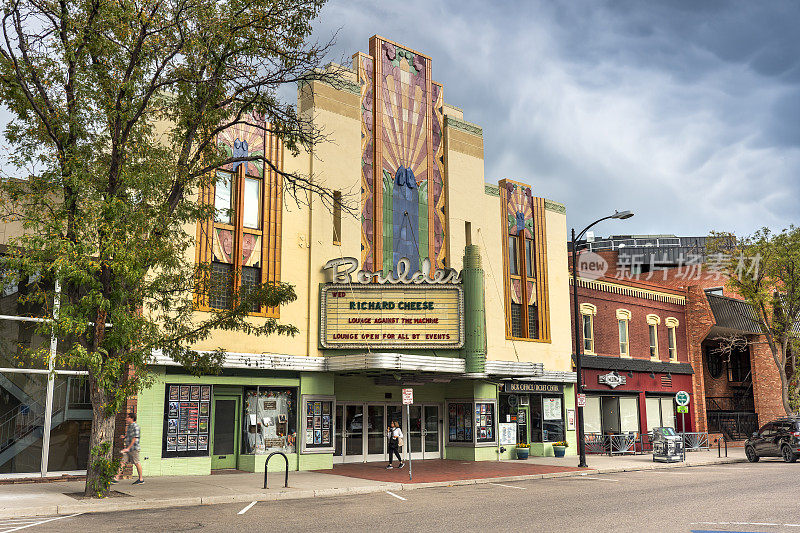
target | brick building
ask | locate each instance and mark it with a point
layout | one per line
(734, 389)
(636, 356)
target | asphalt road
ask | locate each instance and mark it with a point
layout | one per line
(742, 497)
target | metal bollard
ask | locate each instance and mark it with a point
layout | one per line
(719, 452)
(726, 447)
(266, 468)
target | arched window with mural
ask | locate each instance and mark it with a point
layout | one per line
(241, 242)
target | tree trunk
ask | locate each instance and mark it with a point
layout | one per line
(103, 426)
(785, 390)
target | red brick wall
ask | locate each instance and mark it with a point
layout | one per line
(121, 426)
(606, 328)
(766, 382)
(699, 320)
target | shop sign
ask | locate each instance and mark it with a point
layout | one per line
(402, 311)
(532, 386)
(682, 398)
(612, 379)
(343, 269)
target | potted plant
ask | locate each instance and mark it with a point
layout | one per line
(559, 448)
(523, 450)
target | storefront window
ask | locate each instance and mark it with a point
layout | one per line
(187, 415)
(547, 418)
(611, 414)
(460, 422)
(484, 422)
(471, 422)
(318, 423)
(660, 412)
(270, 420)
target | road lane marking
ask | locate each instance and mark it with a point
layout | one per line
(40, 522)
(247, 508)
(395, 495)
(509, 486)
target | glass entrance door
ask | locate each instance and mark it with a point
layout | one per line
(430, 432)
(361, 431)
(424, 435)
(353, 433)
(224, 431)
(376, 432)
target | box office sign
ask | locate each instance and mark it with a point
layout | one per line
(533, 387)
(402, 311)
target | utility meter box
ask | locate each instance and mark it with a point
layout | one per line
(667, 445)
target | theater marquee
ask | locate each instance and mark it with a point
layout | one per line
(399, 313)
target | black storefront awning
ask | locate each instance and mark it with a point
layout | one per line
(634, 365)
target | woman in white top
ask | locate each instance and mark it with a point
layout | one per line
(395, 443)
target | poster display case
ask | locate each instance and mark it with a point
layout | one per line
(472, 422)
(317, 421)
(270, 420)
(187, 414)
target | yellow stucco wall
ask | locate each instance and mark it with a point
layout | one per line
(308, 236)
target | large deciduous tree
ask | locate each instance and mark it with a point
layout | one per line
(117, 105)
(764, 269)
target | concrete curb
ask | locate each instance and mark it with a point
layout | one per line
(125, 504)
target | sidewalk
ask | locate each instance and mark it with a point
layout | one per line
(43, 499)
(627, 463)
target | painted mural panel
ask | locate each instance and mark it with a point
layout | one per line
(403, 204)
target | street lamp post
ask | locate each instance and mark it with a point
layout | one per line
(622, 215)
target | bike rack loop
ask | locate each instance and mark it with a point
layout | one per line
(266, 468)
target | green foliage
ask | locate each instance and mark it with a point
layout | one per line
(116, 110)
(764, 269)
(104, 468)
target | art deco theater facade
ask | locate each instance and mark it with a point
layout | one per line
(429, 278)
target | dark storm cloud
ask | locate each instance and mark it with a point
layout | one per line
(685, 112)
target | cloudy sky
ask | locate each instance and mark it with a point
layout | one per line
(685, 112)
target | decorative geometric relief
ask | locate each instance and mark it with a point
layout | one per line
(404, 142)
(244, 140)
(365, 67)
(223, 245)
(437, 186)
(519, 210)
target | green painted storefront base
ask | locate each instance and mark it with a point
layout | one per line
(467, 453)
(347, 390)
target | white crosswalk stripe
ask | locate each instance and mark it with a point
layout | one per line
(7, 525)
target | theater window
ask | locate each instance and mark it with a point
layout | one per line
(525, 263)
(241, 242)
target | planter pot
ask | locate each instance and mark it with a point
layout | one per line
(559, 451)
(522, 453)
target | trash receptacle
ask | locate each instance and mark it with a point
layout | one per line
(667, 445)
